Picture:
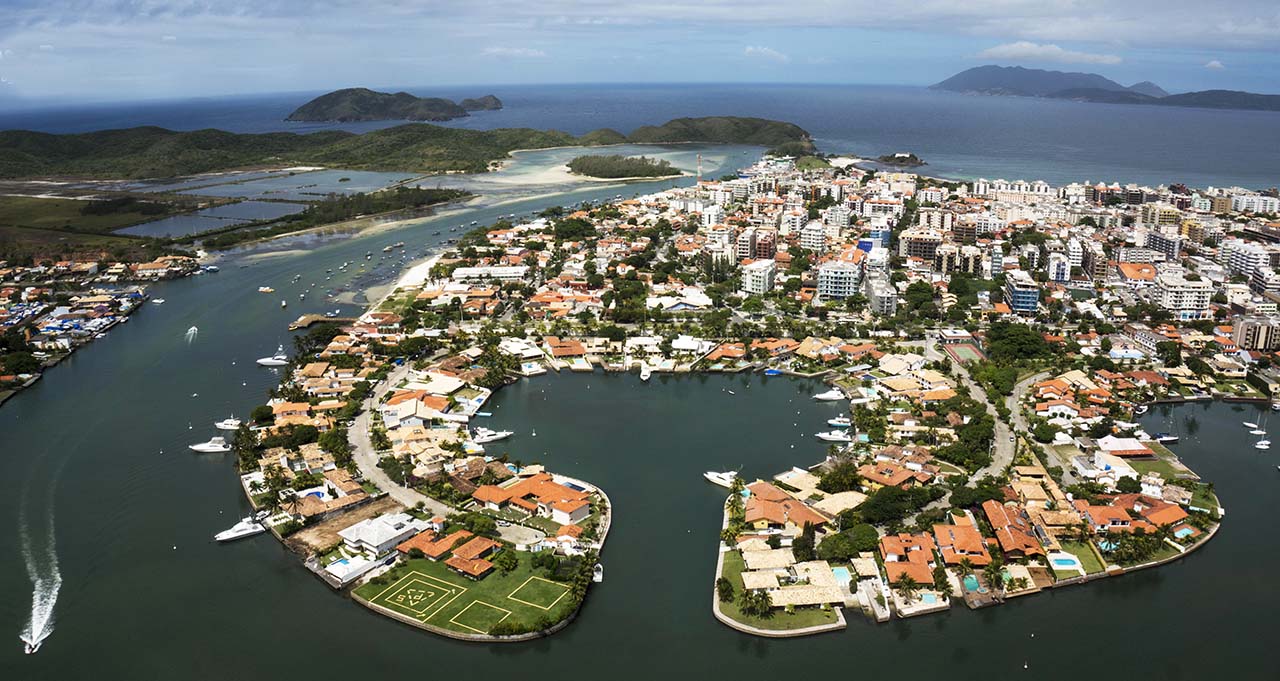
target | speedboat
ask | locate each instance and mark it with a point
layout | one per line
(284, 303)
(597, 573)
(1275, 406)
(485, 435)
(645, 371)
(266, 289)
(840, 422)
(213, 446)
(722, 478)
(157, 301)
(277, 360)
(1166, 438)
(32, 647)
(247, 527)
(1263, 444)
(229, 423)
(831, 395)
(834, 436)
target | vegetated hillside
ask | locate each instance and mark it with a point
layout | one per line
(1149, 89)
(151, 152)
(1103, 96)
(617, 165)
(602, 136)
(363, 104)
(1223, 99)
(722, 130)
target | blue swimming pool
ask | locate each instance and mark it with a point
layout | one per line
(971, 583)
(1066, 562)
(929, 599)
(1184, 533)
(842, 575)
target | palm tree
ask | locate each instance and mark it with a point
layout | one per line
(994, 574)
(907, 587)
(966, 567)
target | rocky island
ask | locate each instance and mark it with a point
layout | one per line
(362, 104)
(901, 159)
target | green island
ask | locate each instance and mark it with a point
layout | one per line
(901, 159)
(362, 104)
(616, 166)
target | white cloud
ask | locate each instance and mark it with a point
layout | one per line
(766, 53)
(1025, 50)
(513, 52)
(1215, 65)
(169, 38)
(46, 47)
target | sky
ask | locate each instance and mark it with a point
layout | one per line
(119, 50)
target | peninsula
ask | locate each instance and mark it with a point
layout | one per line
(1091, 87)
(362, 104)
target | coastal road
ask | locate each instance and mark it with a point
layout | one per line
(366, 459)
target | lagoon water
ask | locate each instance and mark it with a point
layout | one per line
(958, 135)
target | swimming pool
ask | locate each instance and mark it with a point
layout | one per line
(1065, 562)
(842, 575)
(971, 583)
(1184, 533)
(929, 599)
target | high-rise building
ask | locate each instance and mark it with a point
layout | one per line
(757, 277)
(1257, 333)
(1021, 292)
(882, 297)
(838, 279)
(1187, 299)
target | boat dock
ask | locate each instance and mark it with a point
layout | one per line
(307, 320)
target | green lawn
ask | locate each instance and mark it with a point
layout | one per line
(1158, 465)
(780, 619)
(430, 592)
(1088, 559)
(1201, 497)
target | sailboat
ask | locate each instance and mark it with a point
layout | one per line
(1261, 429)
(1249, 425)
(1262, 444)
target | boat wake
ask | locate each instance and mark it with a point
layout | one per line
(46, 579)
(191, 334)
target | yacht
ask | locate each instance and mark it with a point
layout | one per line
(1263, 444)
(229, 423)
(157, 301)
(722, 478)
(831, 395)
(217, 444)
(840, 422)
(277, 360)
(485, 435)
(597, 573)
(247, 527)
(834, 436)
(645, 371)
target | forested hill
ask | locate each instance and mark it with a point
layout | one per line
(150, 152)
(363, 104)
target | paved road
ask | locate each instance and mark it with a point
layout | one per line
(366, 459)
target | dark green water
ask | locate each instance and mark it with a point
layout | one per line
(83, 464)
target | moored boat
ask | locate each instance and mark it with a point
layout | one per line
(247, 527)
(834, 436)
(831, 395)
(645, 371)
(485, 435)
(721, 478)
(277, 360)
(229, 423)
(213, 446)
(840, 422)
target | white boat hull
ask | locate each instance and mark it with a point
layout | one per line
(724, 480)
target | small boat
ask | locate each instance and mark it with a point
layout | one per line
(284, 303)
(1140, 410)
(247, 527)
(229, 423)
(645, 371)
(1166, 438)
(1249, 425)
(277, 360)
(722, 478)
(1263, 444)
(834, 436)
(213, 446)
(597, 573)
(840, 422)
(157, 301)
(772, 372)
(731, 392)
(831, 395)
(266, 289)
(32, 647)
(1275, 406)
(1257, 431)
(485, 435)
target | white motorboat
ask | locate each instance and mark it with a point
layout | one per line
(247, 527)
(1257, 431)
(485, 435)
(831, 395)
(1275, 406)
(229, 423)
(834, 436)
(1140, 410)
(1166, 438)
(284, 303)
(213, 446)
(722, 478)
(157, 301)
(597, 573)
(1263, 444)
(31, 647)
(1249, 425)
(266, 289)
(277, 360)
(645, 371)
(840, 422)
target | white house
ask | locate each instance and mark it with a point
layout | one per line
(380, 535)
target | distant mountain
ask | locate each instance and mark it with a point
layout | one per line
(1016, 80)
(1090, 87)
(1149, 89)
(363, 104)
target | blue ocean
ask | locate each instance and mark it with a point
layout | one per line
(960, 136)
